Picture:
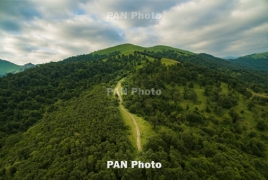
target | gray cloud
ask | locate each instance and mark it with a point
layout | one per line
(44, 31)
(219, 33)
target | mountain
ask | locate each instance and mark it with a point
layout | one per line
(192, 113)
(130, 48)
(225, 66)
(123, 49)
(254, 61)
(8, 67)
(230, 57)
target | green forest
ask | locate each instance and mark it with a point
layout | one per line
(209, 122)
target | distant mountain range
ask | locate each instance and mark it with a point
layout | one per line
(230, 57)
(8, 67)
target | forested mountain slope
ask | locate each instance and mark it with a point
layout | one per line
(216, 127)
(258, 80)
(58, 122)
(72, 141)
(255, 61)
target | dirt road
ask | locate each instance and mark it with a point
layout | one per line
(117, 91)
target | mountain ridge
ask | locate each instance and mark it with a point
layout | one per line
(258, 61)
(130, 48)
(9, 67)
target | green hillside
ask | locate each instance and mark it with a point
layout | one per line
(256, 61)
(8, 67)
(244, 73)
(257, 79)
(206, 121)
(130, 48)
(64, 144)
(260, 55)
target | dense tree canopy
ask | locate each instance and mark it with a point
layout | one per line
(57, 122)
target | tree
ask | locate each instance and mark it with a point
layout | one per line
(234, 115)
(251, 105)
(262, 125)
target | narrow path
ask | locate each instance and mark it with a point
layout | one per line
(117, 91)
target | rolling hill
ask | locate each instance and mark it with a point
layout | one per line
(130, 48)
(255, 61)
(8, 67)
(243, 73)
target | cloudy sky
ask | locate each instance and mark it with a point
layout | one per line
(43, 31)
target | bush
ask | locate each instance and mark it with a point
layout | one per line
(261, 125)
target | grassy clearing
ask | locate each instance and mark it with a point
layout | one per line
(145, 127)
(124, 48)
(247, 120)
(132, 136)
(161, 47)
(167, 61)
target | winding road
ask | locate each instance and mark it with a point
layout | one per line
(117, 91)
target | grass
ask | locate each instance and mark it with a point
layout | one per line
(132, 136)
(167, 61)
(145, 127)
(124, 48)
(161, 47)
(247, 117)
(130, 48)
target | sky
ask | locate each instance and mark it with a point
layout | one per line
(44, 31)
